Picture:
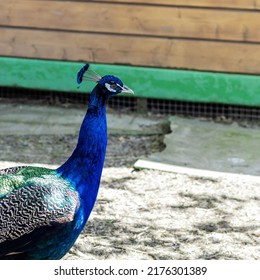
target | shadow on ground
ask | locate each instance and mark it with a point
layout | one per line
(174, 217)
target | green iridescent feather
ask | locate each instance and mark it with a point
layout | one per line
(24, 175)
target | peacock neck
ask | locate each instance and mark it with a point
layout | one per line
(84, 167)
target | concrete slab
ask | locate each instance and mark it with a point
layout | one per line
(37, 120)
(192, 143)
(210, 146)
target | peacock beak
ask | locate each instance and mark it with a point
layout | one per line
(127, 90)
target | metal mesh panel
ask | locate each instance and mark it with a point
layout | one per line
(40, 96)
(123, 104)
(196, 109)
(126, 104)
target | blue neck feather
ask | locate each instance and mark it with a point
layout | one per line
(84, 167)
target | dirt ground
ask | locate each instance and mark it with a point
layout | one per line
(156, 215)
(146, 214)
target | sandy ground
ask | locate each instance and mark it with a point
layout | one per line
(157, 215)
(146, 214)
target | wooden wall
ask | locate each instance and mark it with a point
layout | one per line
(208, 35)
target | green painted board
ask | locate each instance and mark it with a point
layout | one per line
(172, 84)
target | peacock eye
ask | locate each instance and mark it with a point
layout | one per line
(113, 86)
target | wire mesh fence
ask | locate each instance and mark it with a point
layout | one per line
(196, 109)
(132, 104)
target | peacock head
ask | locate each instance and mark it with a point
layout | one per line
(109, 85)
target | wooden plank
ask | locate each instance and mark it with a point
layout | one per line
(195, 86)
(230, 4)
(135, 20)
(194, 172)
(121, 49)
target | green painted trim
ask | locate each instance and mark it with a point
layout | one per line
(146, 82)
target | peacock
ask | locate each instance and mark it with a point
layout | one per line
(43, 211)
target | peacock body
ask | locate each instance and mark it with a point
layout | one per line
(43, 211)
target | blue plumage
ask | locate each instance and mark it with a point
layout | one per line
(42, 211)
(81, 72)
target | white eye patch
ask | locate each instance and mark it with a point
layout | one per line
(112, 87)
